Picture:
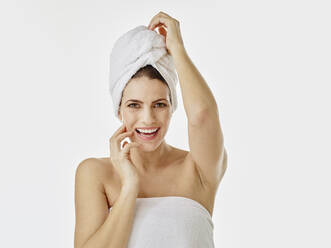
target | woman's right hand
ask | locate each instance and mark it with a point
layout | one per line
(120, 158)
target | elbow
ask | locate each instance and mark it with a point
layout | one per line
(199, 117)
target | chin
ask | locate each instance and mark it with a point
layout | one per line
(148, 147)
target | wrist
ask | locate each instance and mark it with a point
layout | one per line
(130, 188)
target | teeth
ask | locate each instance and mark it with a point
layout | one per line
(147, 130)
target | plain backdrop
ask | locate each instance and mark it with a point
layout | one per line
(267, 64)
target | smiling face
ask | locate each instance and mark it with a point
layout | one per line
(146, 104)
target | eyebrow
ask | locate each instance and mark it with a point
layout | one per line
(135, 100)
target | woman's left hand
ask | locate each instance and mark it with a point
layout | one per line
(172, 35)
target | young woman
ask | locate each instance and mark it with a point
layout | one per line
(148, 193)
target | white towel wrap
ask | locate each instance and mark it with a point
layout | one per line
(132, 51)
(171, 221)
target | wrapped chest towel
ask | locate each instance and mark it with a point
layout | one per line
(171, 222)
(133, 50)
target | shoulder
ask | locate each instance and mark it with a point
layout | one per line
(85, 167)
(95, 168)
(91, 201)
(89, 165)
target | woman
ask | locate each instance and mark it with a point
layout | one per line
(148, 193)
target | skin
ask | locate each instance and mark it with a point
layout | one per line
(194, 174)
(147, 114)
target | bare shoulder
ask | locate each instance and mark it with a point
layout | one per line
(99, 169)
(94, 166)
(108, 178)
(86, 167)
(91, 205)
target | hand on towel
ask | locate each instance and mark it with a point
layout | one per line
(172, 34)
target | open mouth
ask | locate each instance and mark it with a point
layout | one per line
(147, 136)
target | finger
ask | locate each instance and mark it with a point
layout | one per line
(113, 144)
(163, 32)
(159, 20)
(119, 130)
(163, 13)
(152, 21)
(127, 148)
(123, 135)
(124, 143)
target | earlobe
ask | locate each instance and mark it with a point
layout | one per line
(119, 115)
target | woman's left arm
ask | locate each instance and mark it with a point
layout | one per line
(198, 99)
(204, 130)
(206, 139)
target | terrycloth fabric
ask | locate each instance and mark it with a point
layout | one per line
(133, 50)
(171, 221)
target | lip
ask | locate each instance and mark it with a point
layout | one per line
(147, 138)
(146, 127)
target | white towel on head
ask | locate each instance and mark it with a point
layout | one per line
(133, 50)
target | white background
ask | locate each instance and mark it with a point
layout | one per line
(267, 63)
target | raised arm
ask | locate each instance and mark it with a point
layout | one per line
(204, 129)
(205, 135)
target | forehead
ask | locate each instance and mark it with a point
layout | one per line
(145, 89)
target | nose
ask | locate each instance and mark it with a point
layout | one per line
(148, 116)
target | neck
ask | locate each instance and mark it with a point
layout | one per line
(150, 161)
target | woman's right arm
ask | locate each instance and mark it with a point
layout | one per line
(96, 227)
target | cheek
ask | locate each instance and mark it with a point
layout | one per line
(167, 115)
(128, 119)
(165, 120)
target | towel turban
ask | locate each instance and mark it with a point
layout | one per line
(135, 49)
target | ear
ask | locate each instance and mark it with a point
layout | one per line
(119, 114)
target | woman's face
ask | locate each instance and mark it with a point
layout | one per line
(141, 107)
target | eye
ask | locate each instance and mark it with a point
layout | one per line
(132, 104)
(163, 104)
